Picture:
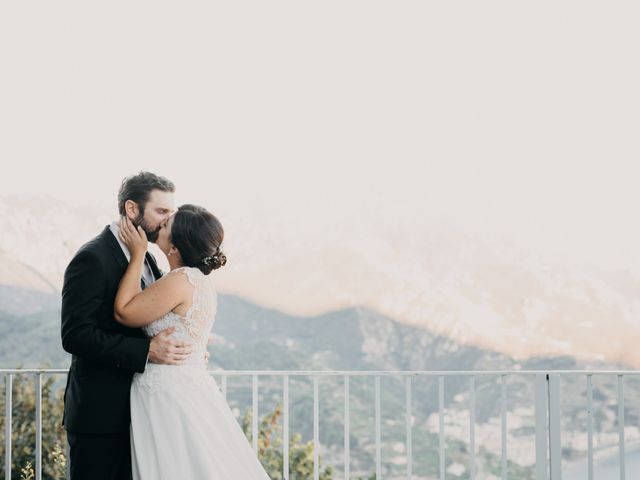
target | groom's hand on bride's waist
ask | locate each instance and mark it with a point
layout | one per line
(169, 351)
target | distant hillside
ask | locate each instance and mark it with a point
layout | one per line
(492, 295)
(249, 337)
(23, 290)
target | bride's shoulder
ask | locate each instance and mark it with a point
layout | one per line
(172, 284)
(188, 274)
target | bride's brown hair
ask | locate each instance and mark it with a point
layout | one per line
(198, 235)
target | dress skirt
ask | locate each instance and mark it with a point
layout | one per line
(183, 428)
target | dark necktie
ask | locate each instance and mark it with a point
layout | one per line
(143, 284)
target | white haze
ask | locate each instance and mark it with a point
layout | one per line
(312, 128)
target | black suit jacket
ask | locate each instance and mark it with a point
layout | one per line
(105, 354)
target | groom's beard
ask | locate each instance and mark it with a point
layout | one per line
(152, 234)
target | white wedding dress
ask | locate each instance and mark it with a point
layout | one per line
(181, 425)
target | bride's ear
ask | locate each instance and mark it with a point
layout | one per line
(172, 250)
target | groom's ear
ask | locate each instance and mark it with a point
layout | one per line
(131, 209)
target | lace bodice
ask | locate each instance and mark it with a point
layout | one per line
(196, 325)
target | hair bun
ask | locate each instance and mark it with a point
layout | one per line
(218, 260)
(213, 262)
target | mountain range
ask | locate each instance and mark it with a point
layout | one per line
(252, 336)
(492, 295)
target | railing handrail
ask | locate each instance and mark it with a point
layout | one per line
(368, 372)
(546, 406)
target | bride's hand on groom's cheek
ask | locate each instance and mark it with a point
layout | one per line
(134, 238)
(169, 351)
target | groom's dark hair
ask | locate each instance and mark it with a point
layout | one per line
(139, 187)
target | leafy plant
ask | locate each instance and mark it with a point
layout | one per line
(54, 459)
(270, 449)
(23, 436)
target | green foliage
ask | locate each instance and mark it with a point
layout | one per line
(27, 473)
(54, 437)
(270, 449)
(23, 436)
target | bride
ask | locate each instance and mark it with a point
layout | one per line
(181, 425)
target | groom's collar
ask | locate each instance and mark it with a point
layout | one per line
(121, 252)
(115, 230)
(113, 243)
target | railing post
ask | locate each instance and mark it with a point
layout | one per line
(316, 434)
(254, 414)
(377, 426)
(285, 427)
(541, 422)
(555, 449)
(7, 423)
(408, 426)
(589, 427)
(347, 452)
(441, 426)
(224, 387)
(38, 389)
(67, 451)
(623, 467)
(503, 424)
(472, 428)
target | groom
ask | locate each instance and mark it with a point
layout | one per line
(105, 354)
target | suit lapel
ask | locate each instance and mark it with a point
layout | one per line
(121, 258)
(113, 244)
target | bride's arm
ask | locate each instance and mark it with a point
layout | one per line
(137, 308)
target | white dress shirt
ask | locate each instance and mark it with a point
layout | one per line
(147, 274)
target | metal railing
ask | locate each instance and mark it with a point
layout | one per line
(546, 402)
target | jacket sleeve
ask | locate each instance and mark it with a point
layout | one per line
(82, 300)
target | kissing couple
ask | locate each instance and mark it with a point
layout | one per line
(139, 403)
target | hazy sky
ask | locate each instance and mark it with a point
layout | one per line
(506, 119)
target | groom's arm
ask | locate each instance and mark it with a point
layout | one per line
(83, 291)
